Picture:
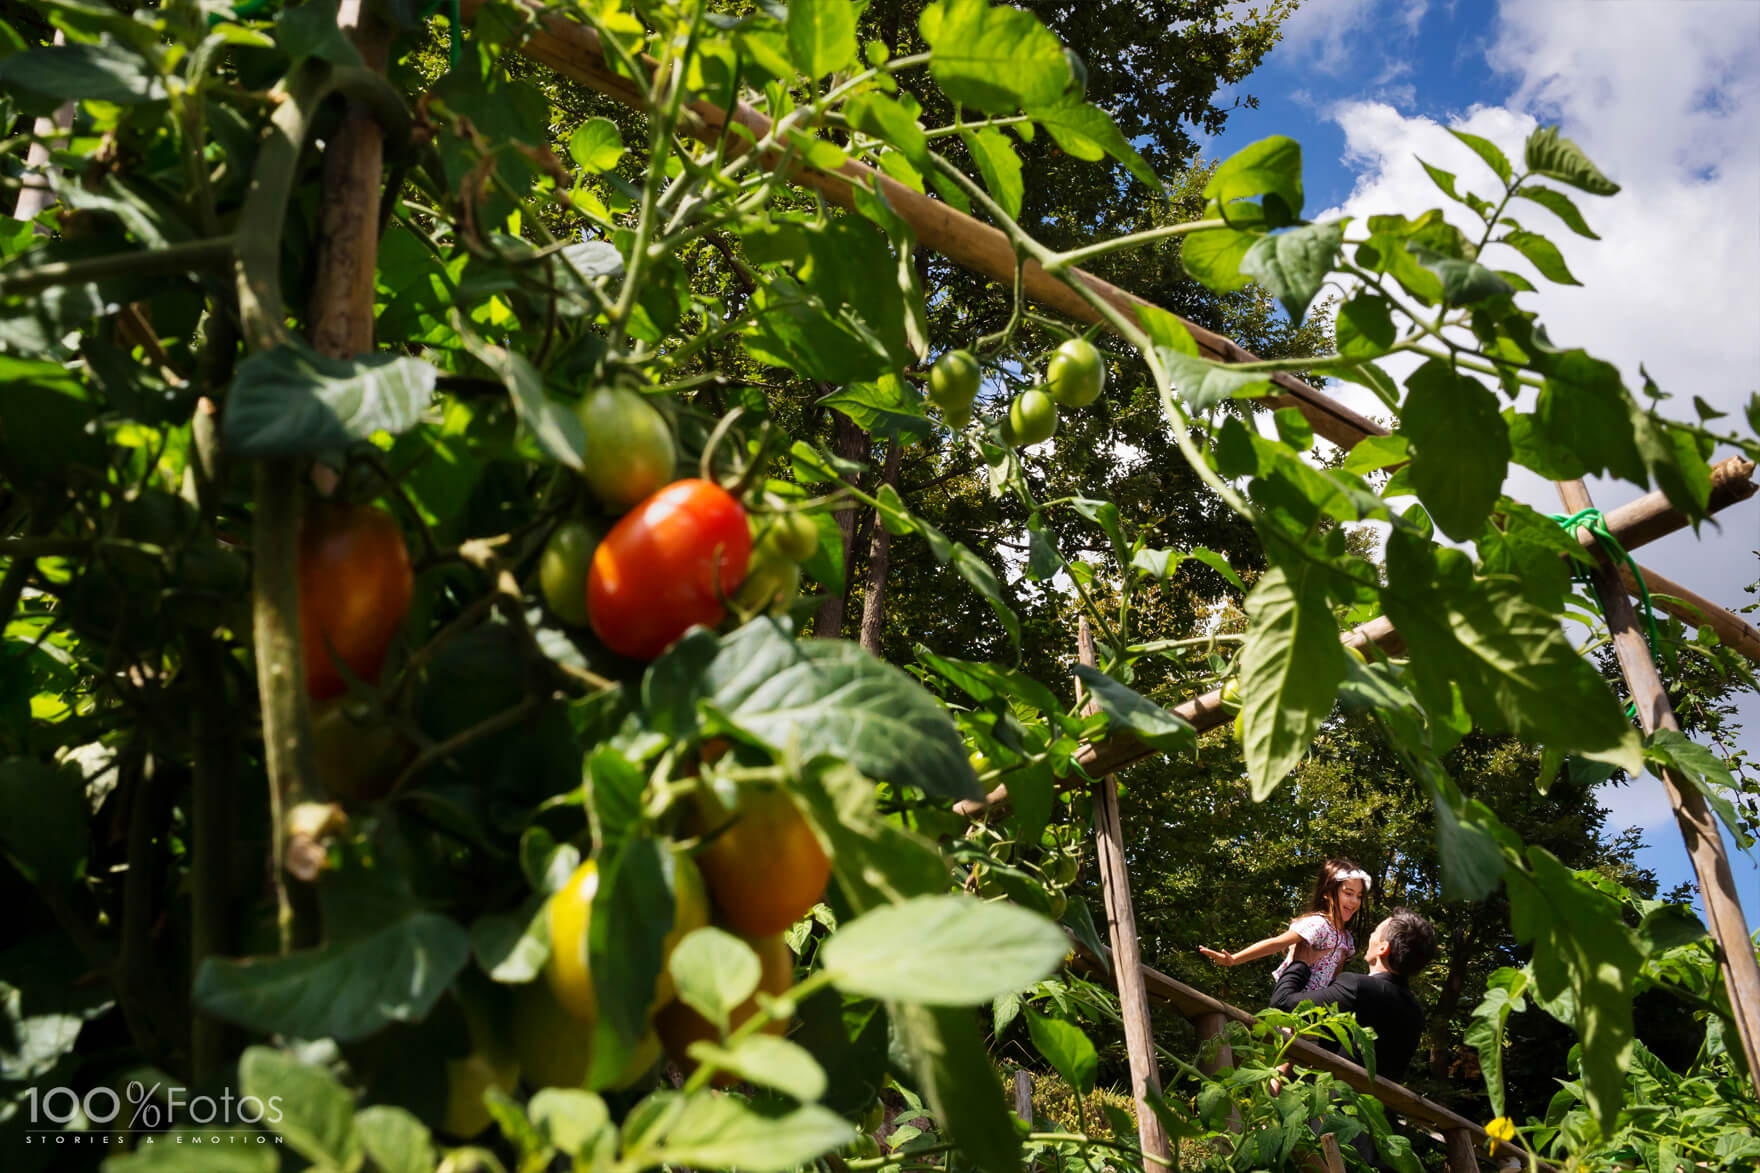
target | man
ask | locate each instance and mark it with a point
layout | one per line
(1401, 946)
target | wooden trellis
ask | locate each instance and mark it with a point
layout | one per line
(574, 51)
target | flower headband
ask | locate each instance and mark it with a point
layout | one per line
(1357, 874)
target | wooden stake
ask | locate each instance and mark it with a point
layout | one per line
(1210, 1025)
(1121, 925)
(1023, 1094)
(1461, 1158)
(1335, 1159)
(1717, 888)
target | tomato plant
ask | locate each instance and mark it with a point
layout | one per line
(761, 860)
(666, 566)
(1032, 418)
(355, 587)
(953, 384)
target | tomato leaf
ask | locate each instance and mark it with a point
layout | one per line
(1291, 665)
(1213, 258)
(1463, 282)
(715, 972)
(993, 59)
(316, 1114)
(1125, 708)
(1486, 150)
(1543, 255)
(1563, 160)
(344, 990)
(1270, 168)
(1702, 770)
(946, 950)
(1460, 447)
(1088, 132)
(821, 35)
(83, 71)
(959, 1085)
(768, 1061)
(575, 1121)
(42, 821)
(1066, 1048)
(395, 1140)
(1365, 326)
(596, 145)
(708, 1130)
(831, 697)
(888, 407)
(1559, 205)
(553, 424)
(1204, 384)
(1000, 166)
(292, 401)
(1294, 265)
(1504, 995)
(631, 915)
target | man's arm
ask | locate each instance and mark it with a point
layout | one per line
(1289, 993)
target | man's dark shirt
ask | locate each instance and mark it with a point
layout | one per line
(1381, 1000)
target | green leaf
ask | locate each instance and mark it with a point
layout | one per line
(993, 59)
(1271, 168)
(1559, 205)
(982, 579)
(959, 1084)
(512, 947)
(553, 424)
(1504, 992)
(344, 990)
(631, 915)
(1166, 330)
(1460, 447)
(888, 407)
(822, 35)
(1213, 258)
(1087, 132)
(1702, 770)
(1066, 1048)
(596, 145)
(83, 71)
(1563, 160)
(1204, 384)
(575, 1121)
(708, 1130)
(1486, 150)
(831, 697)
(1442, 179)
(769, 1061)
(614, 798)
(982, 681)
(316, 1113)
(310, 30)
(942, 951)
(1293, 265)
(395, 1140)
(42, 822)
(194, 1149)
(1365, 326)
(1291, 665)
(1000, 166)
(1463, 282)
(1582, 948)
(715, 972)
(887, 119)
(1543, 255)
(1376, 452)
(292, 401)
(1125, 708)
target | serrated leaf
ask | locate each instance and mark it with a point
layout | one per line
(999, 165)
(1702, 770)
(888, 407)
(887, 119)
(316, 1114)
(1442, 179)
(821, 35)
(1486, 150)
(1559, 205)
(1460, 447)
(344, 990)
(1213, 258)
(1087, 132)
(1203, 384)
(553, 424)
(942, 951)
(1291, 665)
(769, 1062)
(1463, 282)
(1563, 160)
(1293, 265)
(1125, 708)
(291, 400)
(1543, 255)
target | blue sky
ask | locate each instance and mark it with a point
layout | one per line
(1664, 95)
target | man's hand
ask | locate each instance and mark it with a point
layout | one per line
(1306, 954)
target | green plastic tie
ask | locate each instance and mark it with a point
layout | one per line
(1593, 521)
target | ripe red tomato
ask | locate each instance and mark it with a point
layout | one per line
(679, 1026)
(355, 587)
(762, 863)
(666, 566)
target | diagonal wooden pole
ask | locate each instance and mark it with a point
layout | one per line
(1121, 926)
(1717, 888)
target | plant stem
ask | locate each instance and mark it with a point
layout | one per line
(173, 258)
(1076, 256)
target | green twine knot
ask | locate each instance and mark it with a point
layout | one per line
(1593, 521)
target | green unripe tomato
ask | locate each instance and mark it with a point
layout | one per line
(1355, 653)
(1075, 375)
(1059, 903)
(874, 1118)
(1231, 695)
(1032, 418)
(1063, 870)
(953, 381)
(629, 454)
(562, 571)
(862, 1148)
(793, 535)
(1240, 727)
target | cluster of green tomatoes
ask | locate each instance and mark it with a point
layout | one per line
(1074, 377)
